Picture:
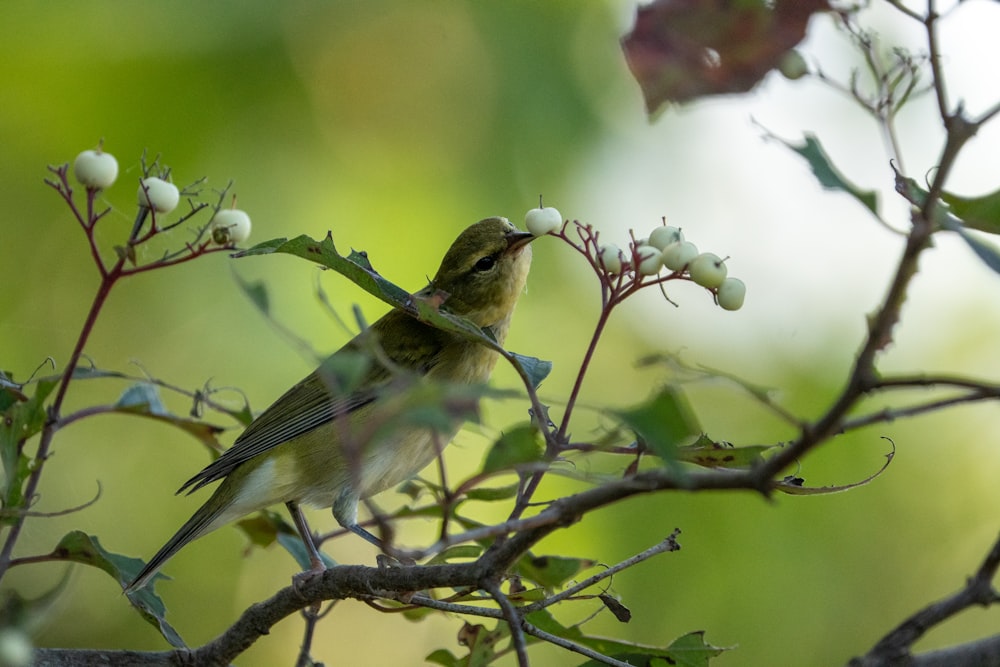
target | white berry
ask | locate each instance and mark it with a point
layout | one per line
(731, 293)
(792, 65)
(648, 258)
(157, 194)
(15, 648)
(610, 257)
(707, 270)
(541, 221)
(663, 236)
(95, 169)
(678, 255)
(230, 225)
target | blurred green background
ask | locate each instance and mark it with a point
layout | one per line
(395, 125)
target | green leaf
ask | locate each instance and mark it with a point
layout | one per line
(492, 494)
(536, 369)
(663, 422)
(286, 535)
(982, 213)
(551, 571)
(689, 650)
(344, 372)
(293, 544)
(985, 251)
(261, 528)
(10, 392)
(414, 402)
(262, 248)
(517, 446)
(828, 175)
(794, 486)
(21, 420)
(445, 658)
(462, 552)
(358, 270)
(78, 547)
(481, 643)
(19, 611)
(256, 292)
(710, 454)
(243, 415)
(143, 399)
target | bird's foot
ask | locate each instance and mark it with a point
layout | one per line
(385, 561)
(300, 579)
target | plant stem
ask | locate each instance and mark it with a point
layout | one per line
(108, 280)
(602, 322)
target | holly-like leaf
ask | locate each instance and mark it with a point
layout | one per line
(492, 494)
(79, 547)
(517, 446)
(21, 420)
(256, 292)
(262, 528)
(827, 173)
(536, 369)
(143, 399)
(445, 658)
(355, 266)
(358, 270)
(680, 50)
(663, 422)
(550, 571)
(461, 552)
(267, 527)
(689, 650)
(982, 213)
(10, 392)
(795, 486)
(17, 611)
(987, 252)
(709, 454)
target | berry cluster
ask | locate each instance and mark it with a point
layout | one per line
(98, 170)
(646, 258)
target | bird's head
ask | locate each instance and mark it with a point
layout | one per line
(485, 270)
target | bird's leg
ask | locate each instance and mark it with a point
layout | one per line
(316, 564)
(384, 559)
(315, 560)
(345, 511)
(365, 535)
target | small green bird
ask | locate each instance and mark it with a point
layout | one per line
(295, 451)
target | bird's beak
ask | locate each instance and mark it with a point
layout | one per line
(517, 240)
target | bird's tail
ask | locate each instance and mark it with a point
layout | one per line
(204, 520)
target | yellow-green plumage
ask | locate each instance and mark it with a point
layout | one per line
(305, 447)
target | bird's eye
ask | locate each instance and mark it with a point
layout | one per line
(485, 263)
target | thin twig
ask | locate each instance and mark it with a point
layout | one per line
(515, 621)
(668, 544)
(573, 646)
(978, 591)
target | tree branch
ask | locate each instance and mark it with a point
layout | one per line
(978, 591)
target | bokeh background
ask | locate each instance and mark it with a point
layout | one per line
(395, 125)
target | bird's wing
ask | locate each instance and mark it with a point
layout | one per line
(337, 388)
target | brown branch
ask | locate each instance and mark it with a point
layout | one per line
(894, 648)
(363, 583)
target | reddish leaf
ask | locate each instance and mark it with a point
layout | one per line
(680, 50)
